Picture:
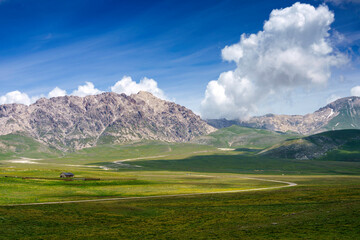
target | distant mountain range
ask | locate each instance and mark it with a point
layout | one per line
(343, 113)
(71, 123)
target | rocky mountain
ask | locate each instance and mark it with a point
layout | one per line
(72, 122)
(332, 145)
(343, 113)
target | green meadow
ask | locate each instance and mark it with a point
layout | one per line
(320, 207)
(17, 190)
(236, 136)
(325, 203)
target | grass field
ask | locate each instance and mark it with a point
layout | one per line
(324, 205)
(321, 207)
(17, 190)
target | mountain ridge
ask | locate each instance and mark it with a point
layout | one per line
(343, 113)
(72, 122)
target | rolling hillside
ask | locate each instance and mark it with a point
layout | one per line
(340, 145)
(17, 145)
(236, 136)
(348, 114)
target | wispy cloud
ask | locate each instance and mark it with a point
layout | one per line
(355, 91)
(332, 98)
(341, 2)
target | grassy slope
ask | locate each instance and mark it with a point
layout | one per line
(236, 136)
(199, 158)
(13, 145)
(247, 164)
(135, 150)
(349, 152)
(347, 119)
(181, 157)
(332, 145)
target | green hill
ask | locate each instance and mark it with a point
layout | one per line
(17, 145)
(236, 136)
(340, 145)
(348, 118)
(346, 114)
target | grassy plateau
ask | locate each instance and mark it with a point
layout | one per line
(325, 203)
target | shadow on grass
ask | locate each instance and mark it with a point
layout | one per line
(97, 183)
(248, 150)
(242, 163)
(76, 183)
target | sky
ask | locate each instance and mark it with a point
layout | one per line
(224, 58)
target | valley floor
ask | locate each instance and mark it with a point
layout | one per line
(321, 207)
(325, 203)
(204, 192)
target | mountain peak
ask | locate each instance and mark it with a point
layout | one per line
(343, 113)
(342, 102)
(145, 93)
(145, 96)
(72, 122)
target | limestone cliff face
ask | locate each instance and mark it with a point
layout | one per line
(343, 113)
(72, 122)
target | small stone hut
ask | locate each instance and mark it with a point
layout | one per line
(66, 175)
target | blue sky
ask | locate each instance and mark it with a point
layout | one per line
(47, 44)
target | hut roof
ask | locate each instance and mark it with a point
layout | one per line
(68, 174)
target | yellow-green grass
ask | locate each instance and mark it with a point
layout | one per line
(142, 182)
(103, 156)
(116, 184)
(320, 207)
(129, 151)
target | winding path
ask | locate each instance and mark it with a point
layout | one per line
(288, 184)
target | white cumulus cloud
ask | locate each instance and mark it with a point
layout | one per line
(56, 92)
(85, 90)
(355, 91)
(17, 97)
(128, 86)
(293, 50)
(125, 85)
